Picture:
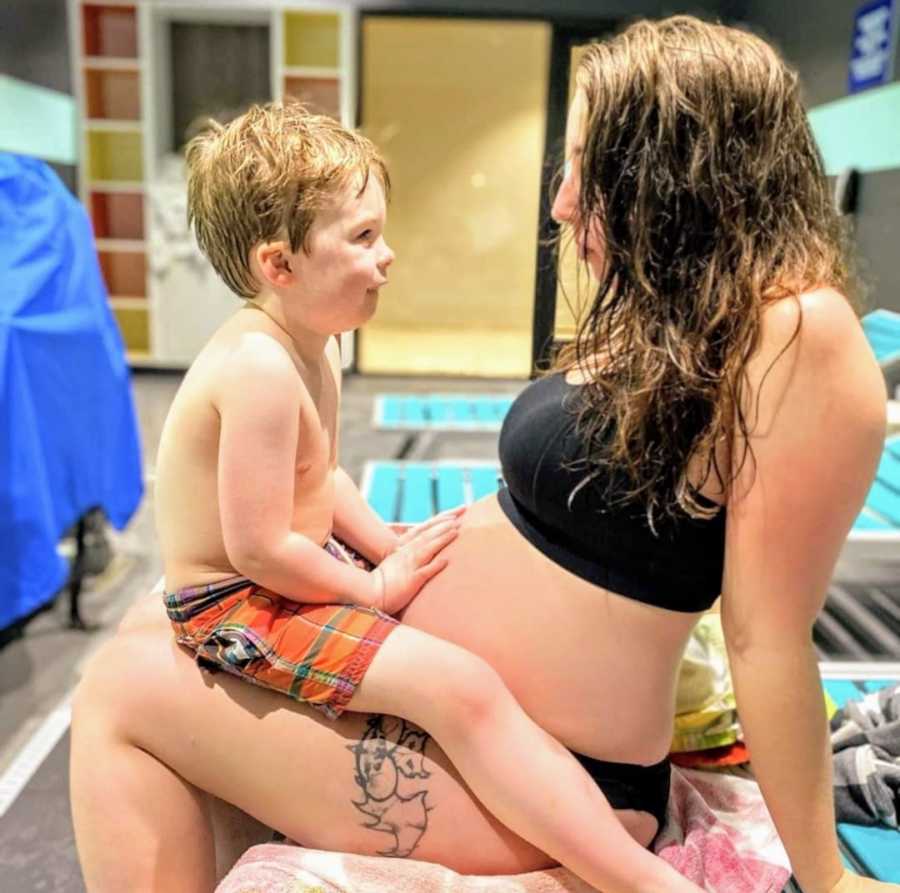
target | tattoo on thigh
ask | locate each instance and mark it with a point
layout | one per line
(390, 769)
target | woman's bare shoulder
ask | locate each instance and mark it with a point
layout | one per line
(813, 345)
(822, 321)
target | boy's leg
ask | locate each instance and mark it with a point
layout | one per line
(523, 775)
(151, 730)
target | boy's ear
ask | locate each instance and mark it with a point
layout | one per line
(274, 262)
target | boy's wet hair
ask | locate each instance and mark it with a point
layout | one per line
(264, 176)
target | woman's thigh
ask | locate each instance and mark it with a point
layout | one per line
(146, 611)
(366, 784)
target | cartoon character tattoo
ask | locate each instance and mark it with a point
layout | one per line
(390, 769)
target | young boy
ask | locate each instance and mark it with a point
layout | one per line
(262, 533)
(289, 208)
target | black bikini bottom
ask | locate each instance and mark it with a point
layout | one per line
(629, 786)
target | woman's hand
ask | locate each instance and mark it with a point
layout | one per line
(853, 883)
(413, 562)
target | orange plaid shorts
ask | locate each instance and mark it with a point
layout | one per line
(314, 653)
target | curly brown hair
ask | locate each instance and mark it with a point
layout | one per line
(264, 176)
(703, 179)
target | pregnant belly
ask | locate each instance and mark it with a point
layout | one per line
(477, 601)
(574, 655)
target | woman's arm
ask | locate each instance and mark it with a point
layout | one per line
(815, 442)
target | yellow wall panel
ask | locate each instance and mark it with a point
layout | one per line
(459, 109)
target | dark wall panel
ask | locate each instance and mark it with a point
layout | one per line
(203, 86)
(877, 227)
(815, 37)
(34, 47)
(34, 42)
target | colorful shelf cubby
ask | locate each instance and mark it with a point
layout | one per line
(112, 94)
(312, 60)
(110, 30)
(117, 215)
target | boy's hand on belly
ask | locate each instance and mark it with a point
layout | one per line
(414, 561)
(408, 532)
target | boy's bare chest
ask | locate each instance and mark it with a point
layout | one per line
(317, 440)
(315, 463)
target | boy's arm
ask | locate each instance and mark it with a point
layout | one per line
(259, 404)
(357, 524)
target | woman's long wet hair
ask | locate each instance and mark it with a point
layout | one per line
(702, 178)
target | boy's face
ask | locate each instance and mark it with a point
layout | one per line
(336, 284)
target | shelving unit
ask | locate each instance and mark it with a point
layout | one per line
(108, 72)
(120, 55)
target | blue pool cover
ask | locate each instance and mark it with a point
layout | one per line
(68, 434)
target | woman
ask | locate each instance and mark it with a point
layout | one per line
(714, 428)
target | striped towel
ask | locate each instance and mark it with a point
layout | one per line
(865, 741)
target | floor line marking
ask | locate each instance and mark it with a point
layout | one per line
(33, 753)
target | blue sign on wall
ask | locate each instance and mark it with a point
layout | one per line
(874, 45)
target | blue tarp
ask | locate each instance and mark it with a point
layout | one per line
(68, 434)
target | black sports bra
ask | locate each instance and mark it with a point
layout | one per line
(678, 567)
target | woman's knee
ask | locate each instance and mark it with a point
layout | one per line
(145, 612)
(94, 685)
(99, 724)
(114, 681)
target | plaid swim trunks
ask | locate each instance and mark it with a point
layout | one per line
(314, 653)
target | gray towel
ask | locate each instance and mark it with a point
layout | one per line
(865, 741)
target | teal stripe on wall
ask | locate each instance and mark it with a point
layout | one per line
(37, 121)
(861, 131)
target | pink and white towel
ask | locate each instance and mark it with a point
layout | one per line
(718, 833)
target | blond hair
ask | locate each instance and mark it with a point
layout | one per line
(702, 176)
(264, 176)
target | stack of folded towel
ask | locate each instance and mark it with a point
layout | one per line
(707, 731)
